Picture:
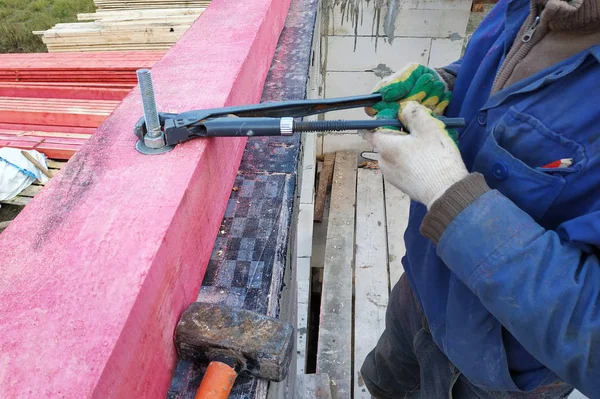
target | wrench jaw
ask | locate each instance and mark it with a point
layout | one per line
(151, 145)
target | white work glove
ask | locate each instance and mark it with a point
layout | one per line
(422, 164)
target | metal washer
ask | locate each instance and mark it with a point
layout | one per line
(141, 147)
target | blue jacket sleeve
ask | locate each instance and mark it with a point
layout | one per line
(454, 67)
(544, 290)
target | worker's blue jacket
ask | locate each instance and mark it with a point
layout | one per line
(512, 291)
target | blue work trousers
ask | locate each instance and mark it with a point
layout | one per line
(407, 363)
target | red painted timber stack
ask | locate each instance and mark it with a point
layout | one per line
(63, 94)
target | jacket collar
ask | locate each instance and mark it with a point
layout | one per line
(562, 15)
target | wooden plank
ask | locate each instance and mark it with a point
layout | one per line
(324, 182)
(63, 91)
(4, 225)
(138, 13)
(46, 128)
(57, 112)
(31, 191)
(138, 4)
(125, 238)
(58, 151)
(334, 352)
(371, 271)
(313, 386)
(20, 201)
(397, 205)
(43, 134)
(53, 164)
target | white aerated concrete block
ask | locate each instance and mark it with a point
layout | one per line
(347, 53)
(444, 52)
(342, 84)
(309, 167)
(409, 23)
(436, 4)
(305, 229)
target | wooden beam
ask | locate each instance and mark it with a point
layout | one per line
(96, 270)
(324, 182)
(370, 271)
(4, 225)
(397, 206)
(334, 352)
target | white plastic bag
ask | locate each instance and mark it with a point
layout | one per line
(17, 173)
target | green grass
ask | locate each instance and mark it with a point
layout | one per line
(18, 18)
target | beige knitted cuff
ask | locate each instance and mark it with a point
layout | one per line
(446, 208)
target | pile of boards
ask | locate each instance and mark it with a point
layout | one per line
(145, 4)
(54, 102)
(125, 26)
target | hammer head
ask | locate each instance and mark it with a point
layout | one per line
(262, 345)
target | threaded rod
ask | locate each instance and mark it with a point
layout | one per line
(340, 125)
(149, 102)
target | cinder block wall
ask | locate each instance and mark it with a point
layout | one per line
(356, 51)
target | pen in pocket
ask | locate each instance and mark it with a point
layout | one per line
(561, 163)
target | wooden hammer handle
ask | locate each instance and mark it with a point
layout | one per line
(217, 382)
(36, 164)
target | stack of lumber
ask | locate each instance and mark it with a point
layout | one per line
(125, 25)
(114, 67)
(148, 4)
(54, 102)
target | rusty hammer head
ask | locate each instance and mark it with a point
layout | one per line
(261, 345)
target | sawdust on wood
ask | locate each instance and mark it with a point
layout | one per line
(369, 165)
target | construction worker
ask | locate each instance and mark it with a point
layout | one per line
(501, 292)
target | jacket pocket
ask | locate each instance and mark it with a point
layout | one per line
(512, 157)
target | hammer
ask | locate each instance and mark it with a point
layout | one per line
(233, 341)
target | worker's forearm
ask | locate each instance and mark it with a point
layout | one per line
(544, 291)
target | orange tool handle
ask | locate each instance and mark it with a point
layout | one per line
(217, 382)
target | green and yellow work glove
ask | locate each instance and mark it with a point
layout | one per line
(414, 82)
(424, 163)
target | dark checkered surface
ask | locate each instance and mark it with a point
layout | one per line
(249, 256)
(241, 268)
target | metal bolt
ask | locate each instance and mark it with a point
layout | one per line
(149, 103)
